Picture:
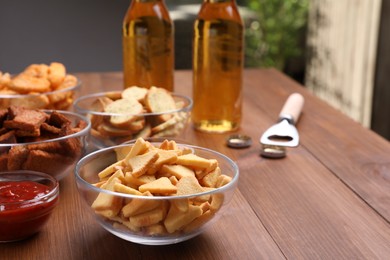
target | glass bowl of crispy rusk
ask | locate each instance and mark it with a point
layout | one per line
(120, 116)
(48, 141)
(39, 86)
(27, 199)
(156, 193)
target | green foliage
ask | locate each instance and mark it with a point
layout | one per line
(273, 36)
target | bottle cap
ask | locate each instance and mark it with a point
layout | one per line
(239, 141)
(273, 151)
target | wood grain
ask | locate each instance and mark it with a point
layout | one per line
(327, 199)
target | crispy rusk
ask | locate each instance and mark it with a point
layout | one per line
(68, 82)
(109, 170)
(211, 178)
(188, 185)
(57, 73)
(119, 187)
(148, 218)
(139, 147)
(196, 162)
(130, 108)
(177, 170)
(177, 219)
(136, 182)
(173, 180)
(109, 130)
(165, 157)
(34, 101)
(216, 201)
(181, 204)
(223, 180)
(106, 204)
(25, 84)
(37, 70)
(155, 230)
(135, 92)
(199, 221)
(139, 164)
(160, 186)
(141, 205)
(5, 80)
(160, 100)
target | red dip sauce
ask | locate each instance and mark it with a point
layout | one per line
(24, 208)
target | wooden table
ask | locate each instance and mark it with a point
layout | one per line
(328, 199)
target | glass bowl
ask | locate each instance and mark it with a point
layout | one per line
(59, 99)
(27, 199)
(154, 220)
(104, 133)
(55, 151)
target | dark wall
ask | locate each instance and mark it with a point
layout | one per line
(381, 102)
(85, 35)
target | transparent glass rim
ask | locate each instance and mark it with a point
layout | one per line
(53, 193)
(76, 105)
(82, 132)
(222, 189)
(10, 96)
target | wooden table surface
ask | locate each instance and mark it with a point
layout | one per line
(329, 198)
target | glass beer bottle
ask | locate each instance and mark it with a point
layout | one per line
(148, 45)
(218, 61)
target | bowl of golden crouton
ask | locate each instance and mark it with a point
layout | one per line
(156, 193)
(47, 141)
(40, 86)
(121, 116)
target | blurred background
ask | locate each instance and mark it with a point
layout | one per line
(340, 50)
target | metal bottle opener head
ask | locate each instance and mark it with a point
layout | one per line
(284, 133)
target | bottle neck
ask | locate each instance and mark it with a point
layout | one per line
(149, 1)
(219, 1)
(220, 9)
(142, 8)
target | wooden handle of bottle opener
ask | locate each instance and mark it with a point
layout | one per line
(292, 108)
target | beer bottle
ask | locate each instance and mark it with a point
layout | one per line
(218, 58)
(148, 45)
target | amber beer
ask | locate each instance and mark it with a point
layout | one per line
(218, 67)
(148, 45)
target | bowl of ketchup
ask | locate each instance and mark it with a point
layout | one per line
(27, 199)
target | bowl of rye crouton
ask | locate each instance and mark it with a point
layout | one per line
(47, 141)
(156, 193)
(39, 86)
(120, 116)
